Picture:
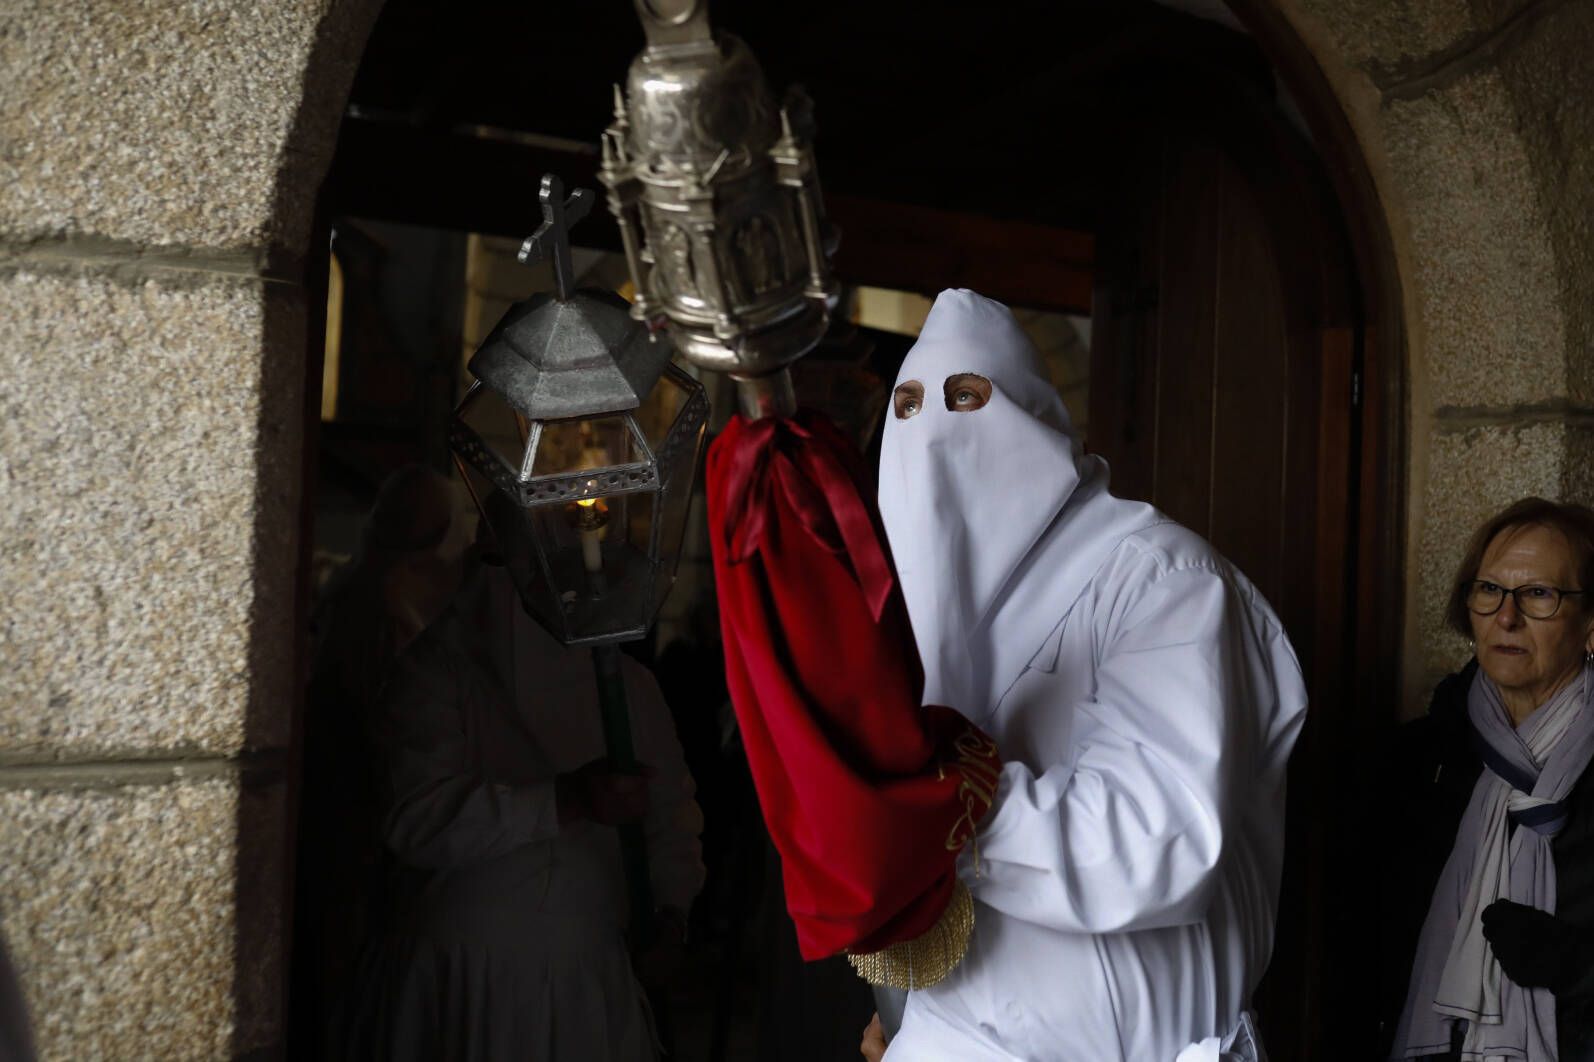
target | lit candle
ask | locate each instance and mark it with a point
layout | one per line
(590, 517)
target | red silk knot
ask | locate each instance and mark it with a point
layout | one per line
(868, 796)
(809, 465)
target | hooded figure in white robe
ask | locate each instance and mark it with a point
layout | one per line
(507, 938)
(1143, 697)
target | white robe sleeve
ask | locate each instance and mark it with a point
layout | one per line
(674, 823)
(441, 812)
(1128, 835)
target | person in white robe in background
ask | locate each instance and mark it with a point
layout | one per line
(413, 554)
(508, 935)
(1144, 699)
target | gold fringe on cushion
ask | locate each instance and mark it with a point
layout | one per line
(928, 958)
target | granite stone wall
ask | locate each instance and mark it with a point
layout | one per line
(159, 163)
(1475, 119)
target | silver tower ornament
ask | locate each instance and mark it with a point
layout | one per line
(716, 188)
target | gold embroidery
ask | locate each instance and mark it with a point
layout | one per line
(982, 770)
(978, 788)
(928, 958)
(975, 744)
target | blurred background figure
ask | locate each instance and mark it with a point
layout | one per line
(411, 558)
(506, 932)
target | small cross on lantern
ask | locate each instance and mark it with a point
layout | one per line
(553, 235)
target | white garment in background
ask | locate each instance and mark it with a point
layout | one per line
(508, 941)
(1143, 697)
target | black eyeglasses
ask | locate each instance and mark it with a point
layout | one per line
(1533, 600)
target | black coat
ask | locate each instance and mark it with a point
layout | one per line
(1430, 772)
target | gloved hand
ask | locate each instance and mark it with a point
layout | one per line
(1535, 948)
(598, 793)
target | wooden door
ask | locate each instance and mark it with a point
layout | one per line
(1225, 346)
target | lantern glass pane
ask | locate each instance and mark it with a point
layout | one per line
(620, 598)
(582, 443)
(588, 606)
(510, 541)
(587, 513)
(503, 430)
(660, 409)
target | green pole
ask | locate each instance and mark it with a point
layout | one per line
(622, 757)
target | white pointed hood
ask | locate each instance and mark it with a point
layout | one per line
(996, 520)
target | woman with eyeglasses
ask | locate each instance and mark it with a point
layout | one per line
(1490, 887)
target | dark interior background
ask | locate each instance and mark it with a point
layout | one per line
(1015, 114)
(1069, 156)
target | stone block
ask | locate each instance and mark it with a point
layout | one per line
(1577, 480)
(1473, 474)
(121, 911)
(150, 436)
(204, 123)
(1386, 33)
(1550, 81)
(1491, 315)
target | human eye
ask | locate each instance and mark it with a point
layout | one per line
(1486, 587)
(1538, 593)
(907, 399)
(966, 391)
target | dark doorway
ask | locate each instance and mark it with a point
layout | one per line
(1128, 164)
(1225, 390)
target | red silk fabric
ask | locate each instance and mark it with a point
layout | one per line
(867, 795)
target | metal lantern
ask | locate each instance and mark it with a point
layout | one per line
(716, 187)
(579, 440)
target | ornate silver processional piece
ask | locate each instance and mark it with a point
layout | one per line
(716, 188)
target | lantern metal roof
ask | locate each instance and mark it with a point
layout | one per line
(580, 356)
(573, 353)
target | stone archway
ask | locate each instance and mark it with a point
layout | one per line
(158, 170)
(1467, 115)
(158, 167)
